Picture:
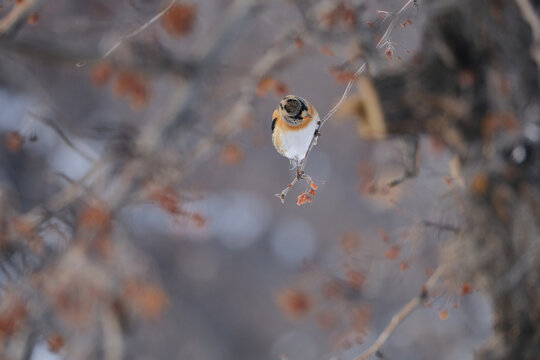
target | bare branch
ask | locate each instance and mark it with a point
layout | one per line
(62, 135)
(529, 15)
(410, 160)
(442, 227)
(135, 32)
(386, 36)
(63, 198)
(398, 318)
(19, 13)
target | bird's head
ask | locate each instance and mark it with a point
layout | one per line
(292, 109)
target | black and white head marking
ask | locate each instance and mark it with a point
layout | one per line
(293, 109)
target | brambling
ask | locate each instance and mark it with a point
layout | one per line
(294, 124)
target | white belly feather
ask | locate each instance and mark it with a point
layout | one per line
(295, 143)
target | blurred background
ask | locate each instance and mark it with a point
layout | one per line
(137, 182)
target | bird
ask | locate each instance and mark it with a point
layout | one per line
(295, 124)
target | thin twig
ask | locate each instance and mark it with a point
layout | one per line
(62, 135)
(30, 345)
(64, 197)
(19, 12)
(301, 174)
(411, 160)
(113, 337)
(441, 227)
(345, 94)
(122, 39)
(386, 36)
(529, 15)
(398, 318)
